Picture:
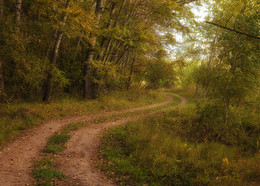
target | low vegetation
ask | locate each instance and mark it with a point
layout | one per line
(190, 145)
(15, 118)
(56, 143)
(44, 172)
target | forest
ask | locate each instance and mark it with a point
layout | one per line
(180, 77)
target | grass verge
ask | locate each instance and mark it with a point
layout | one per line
(44, 171)
(16, 117)
(176, 101)
(170, 149)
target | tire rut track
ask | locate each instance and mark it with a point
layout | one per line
(18, 157)
(78, 159)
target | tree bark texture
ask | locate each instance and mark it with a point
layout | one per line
(18, 12)
(87, 71)
(2, 86)
(1, 9)
(130, 74)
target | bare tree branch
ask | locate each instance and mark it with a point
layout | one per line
(232, 30)
(183, 2)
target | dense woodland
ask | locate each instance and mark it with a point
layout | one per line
(86, 49)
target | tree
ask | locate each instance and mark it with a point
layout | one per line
(87, 91)
(54, 55)
(2, 87)
(232, 74)
(18, 10)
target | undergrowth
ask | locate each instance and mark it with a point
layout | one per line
(16, 117)
(44, 171)
(183, 147)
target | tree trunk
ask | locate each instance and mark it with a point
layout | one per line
(130, 74)
(49, 82)
(2, 86)
(18, 12)
(87, 71)
(106, 51)
(1, 9)
(104, 41)
(77, 48)
(122, 55)
(53, 60)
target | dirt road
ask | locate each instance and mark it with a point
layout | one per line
(78, 160)
(17, 158)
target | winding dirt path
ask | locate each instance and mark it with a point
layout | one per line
(78, 160)
(17, 158)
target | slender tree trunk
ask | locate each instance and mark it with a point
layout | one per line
(87, 71)
(53, 60)
(104, 41)
(197, 89)
(113, 51)
(2, 86)
(130, 74)
(77, 48)
(205, 83)
(107, 51)
(18, 13)
(49, 82)
(122, 55)
(1, 9)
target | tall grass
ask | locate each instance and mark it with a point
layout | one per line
(171, 149)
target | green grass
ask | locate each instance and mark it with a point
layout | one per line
(44, 172)
(56, 143)
(176, 101)
(167, 149)
(74, 126)
(16, 117)
(187, 92)
(44, 169)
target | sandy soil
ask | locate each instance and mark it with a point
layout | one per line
(17, 158)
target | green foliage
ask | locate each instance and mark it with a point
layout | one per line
(160, 74)
(126, 30)
(169, 149)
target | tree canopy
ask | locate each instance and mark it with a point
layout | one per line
(88, 46)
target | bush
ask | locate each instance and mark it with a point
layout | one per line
(182, 147)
